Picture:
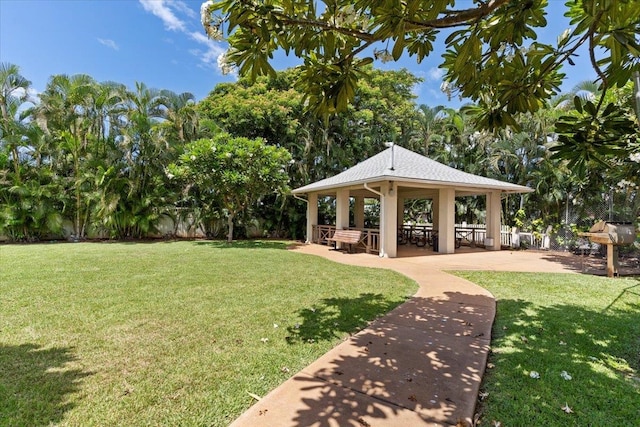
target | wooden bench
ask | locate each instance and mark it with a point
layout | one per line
(349, 237)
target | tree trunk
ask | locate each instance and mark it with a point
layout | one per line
(78, 219)
(78, 214)
(230, 225)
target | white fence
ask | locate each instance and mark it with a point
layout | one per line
(472, 234)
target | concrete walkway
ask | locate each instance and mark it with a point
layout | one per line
(419, 365)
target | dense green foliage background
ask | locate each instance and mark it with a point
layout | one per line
(86, 158)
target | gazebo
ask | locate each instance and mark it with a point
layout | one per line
(394, 175)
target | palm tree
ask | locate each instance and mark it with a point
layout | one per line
(429, 119)
(25, 190)
(14, 92)
(104, 110)
(14, 89)
(65, 114)
(587, 90)
(65, 103)
(140, 181)
(181, 114)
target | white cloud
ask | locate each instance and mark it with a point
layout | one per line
(210, 55)
(162, 9)
(435, 74)
(436, 94)
(109, 43)
(199, 37)
(182, 7)
(209, 51)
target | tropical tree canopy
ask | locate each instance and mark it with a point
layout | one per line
(87, 152)
(235, 172)
(492, 55)
(87, 159)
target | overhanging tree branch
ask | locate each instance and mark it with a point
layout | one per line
(455, 18)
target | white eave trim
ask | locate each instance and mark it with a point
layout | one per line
(399, 181)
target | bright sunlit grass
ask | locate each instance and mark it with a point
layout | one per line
(579, 333)
(169, 333)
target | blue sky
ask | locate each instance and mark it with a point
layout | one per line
(162, 43)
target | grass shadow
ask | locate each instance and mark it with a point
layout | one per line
(335, 317)
(628, 291)
(245, 244)
(35, 384)
(599, 350)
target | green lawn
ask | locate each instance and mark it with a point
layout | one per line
(587, 326)
(183, 333)
(173, 333)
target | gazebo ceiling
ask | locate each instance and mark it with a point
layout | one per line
(419, 176)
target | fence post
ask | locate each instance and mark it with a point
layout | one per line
(515, 237)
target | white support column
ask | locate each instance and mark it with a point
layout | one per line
(446, 220)
(312, 215)
(388, 220)
(342, 209)
(487, 220)
(400, 215)
(435, 211)
(358, 211)
(494, 209)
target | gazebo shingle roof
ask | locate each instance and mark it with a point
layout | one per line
(412, 167)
